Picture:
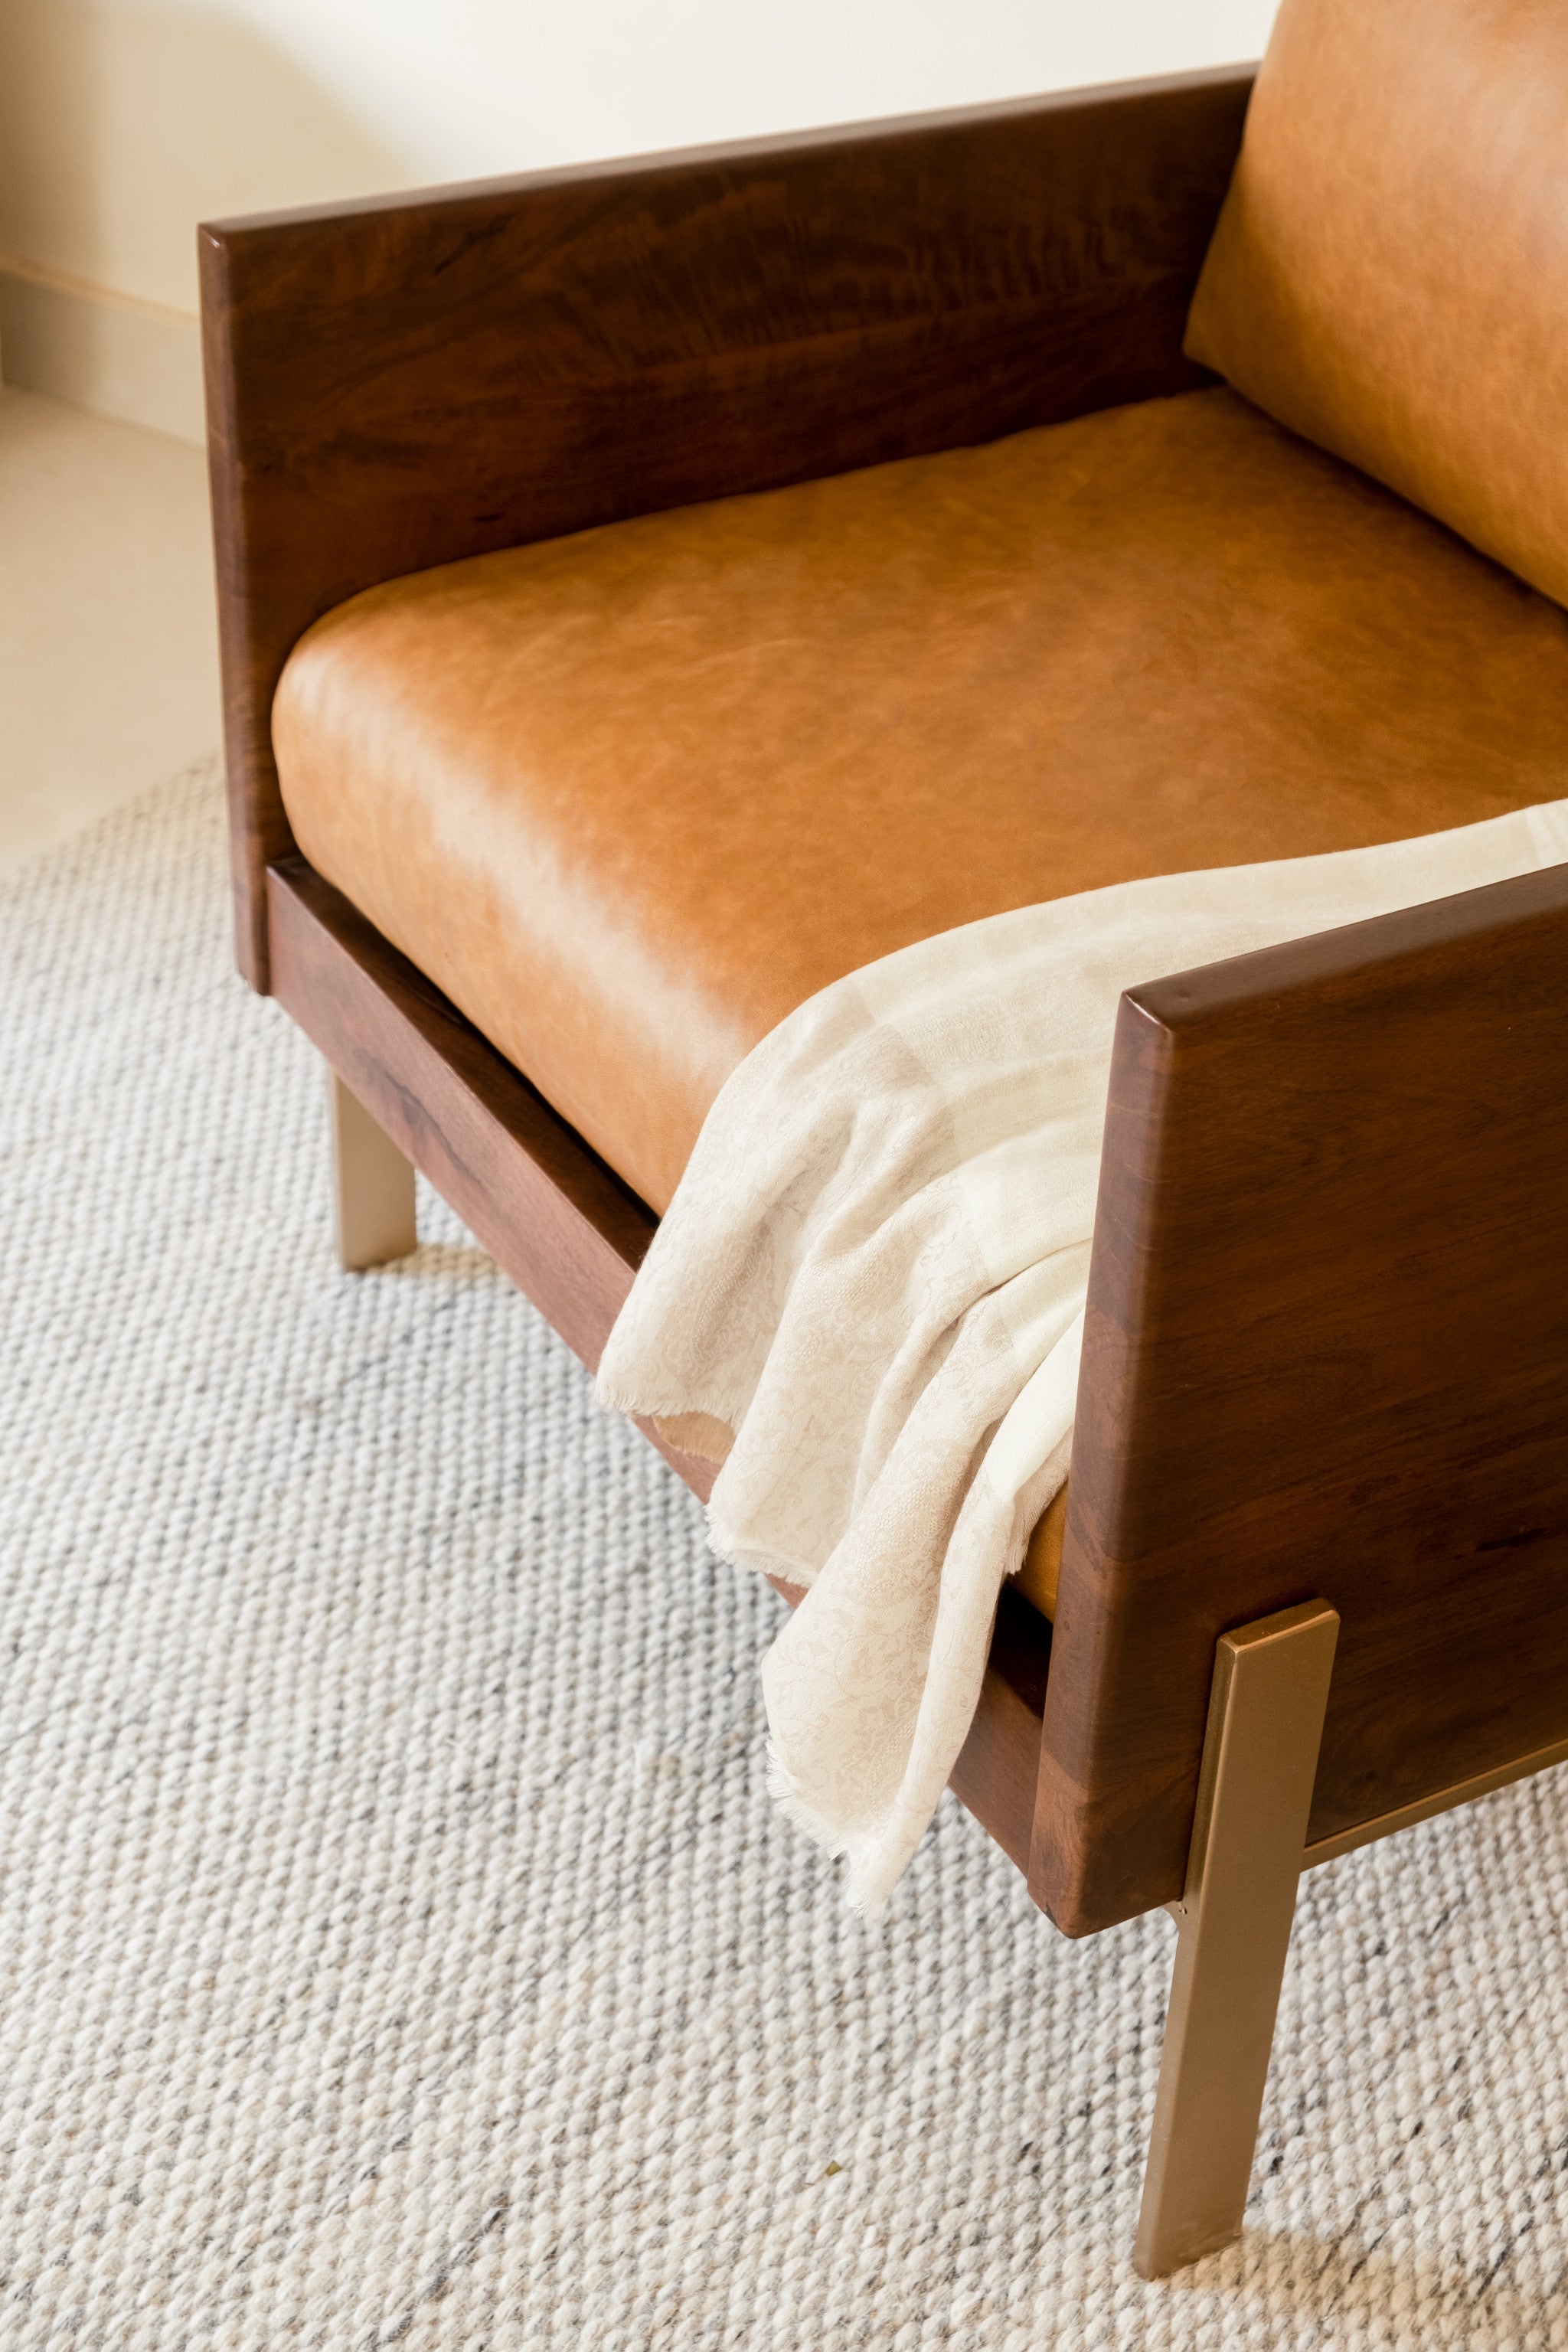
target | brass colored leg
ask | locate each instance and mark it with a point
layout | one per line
(372, 1185)
(1260, 1760)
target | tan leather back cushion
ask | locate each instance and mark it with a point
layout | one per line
(1390, 272)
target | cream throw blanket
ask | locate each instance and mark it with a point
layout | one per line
(866, 1297)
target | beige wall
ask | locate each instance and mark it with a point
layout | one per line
(122, 123)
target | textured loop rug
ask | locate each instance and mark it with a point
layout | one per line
(398, 1943)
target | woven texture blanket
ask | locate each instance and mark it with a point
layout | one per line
(866, 1298)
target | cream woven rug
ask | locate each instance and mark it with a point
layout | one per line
(398, 1946)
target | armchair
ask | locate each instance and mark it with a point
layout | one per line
(1313, 1569)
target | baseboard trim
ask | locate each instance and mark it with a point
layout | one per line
(97, 349)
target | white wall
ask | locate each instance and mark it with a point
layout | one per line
(122, 123)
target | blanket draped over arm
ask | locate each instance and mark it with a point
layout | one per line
(866, 1297)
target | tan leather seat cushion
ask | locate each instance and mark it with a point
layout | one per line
(1390, 271)
(631, 796)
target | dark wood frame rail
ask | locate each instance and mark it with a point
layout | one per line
(1327, 1352)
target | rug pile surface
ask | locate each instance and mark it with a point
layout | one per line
(399, 1942)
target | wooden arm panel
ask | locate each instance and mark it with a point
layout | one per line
(402, 383)
(1326, 1354)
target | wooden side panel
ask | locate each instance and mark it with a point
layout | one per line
(1327, 1354)
(399, 383)
(566, 1230)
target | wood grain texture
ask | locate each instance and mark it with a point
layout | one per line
(398, 383)
(1326, 1354)
(565, 1229)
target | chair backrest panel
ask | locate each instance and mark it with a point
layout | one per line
(1389, 276)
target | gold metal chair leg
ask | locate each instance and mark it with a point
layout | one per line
(1260, 1758)
(372, 1185)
